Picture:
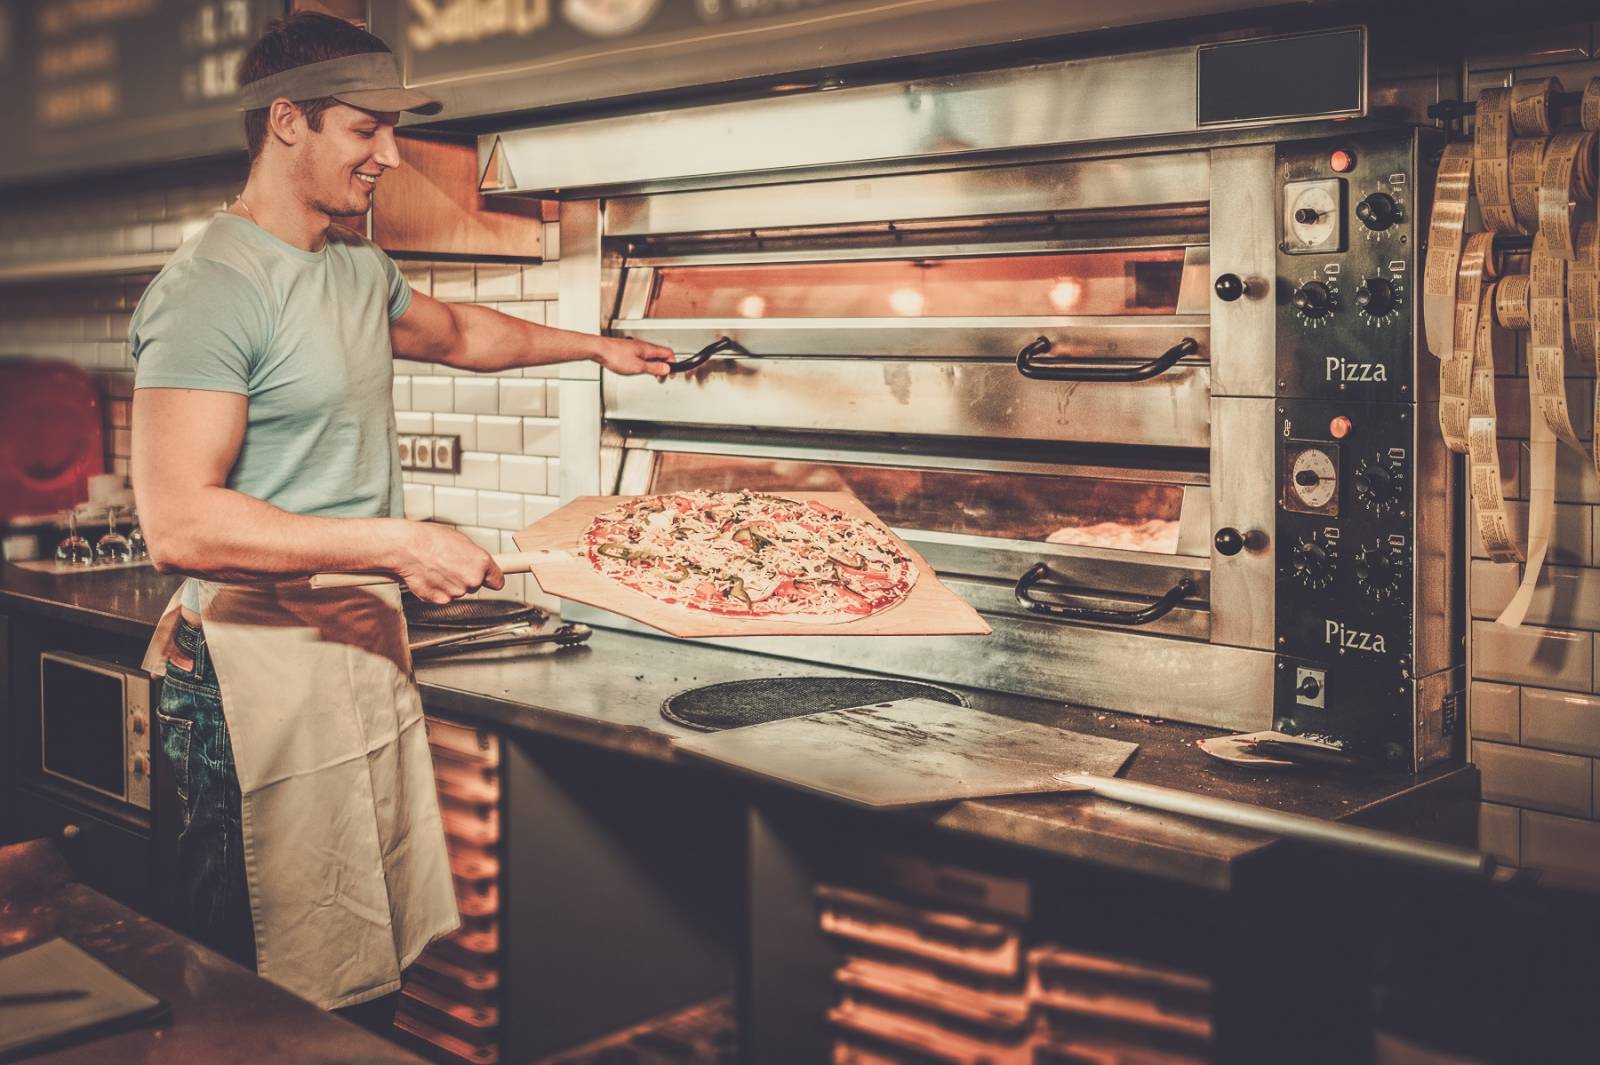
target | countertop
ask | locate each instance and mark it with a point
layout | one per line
(607, 693)
(220, 1011)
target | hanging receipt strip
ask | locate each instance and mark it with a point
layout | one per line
(1529, 181)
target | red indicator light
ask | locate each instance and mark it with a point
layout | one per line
(1339, 427)
(1342, 161)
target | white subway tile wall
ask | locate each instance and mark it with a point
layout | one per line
(1534, 704)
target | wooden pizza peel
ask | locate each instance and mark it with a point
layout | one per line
(911, 752)
(930, 609)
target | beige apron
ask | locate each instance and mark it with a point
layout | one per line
(344, 848)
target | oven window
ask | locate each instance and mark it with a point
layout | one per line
(1097, 283)
(1123, 515)
(83, 726)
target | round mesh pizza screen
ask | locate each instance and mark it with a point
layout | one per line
(468, 613)
(750, 702)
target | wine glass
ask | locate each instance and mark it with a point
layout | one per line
(113, 546)
(137, 548)
(74, 550)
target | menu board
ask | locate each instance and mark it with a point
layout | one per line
(94, 85)
(486, 56)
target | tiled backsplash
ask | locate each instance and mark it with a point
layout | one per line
(507, 422)
(1534, 706)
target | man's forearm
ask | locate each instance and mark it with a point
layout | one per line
(488, 340)
(220, 534)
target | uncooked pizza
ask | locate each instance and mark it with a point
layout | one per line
(750, 554)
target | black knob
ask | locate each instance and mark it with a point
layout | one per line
(1376, 296)
(1307, 478)
(1229, 541)
(1230, 287)
(1307, 215)
(1374, 483)
(1309, 688)
(1309, 557)
(1313, 299)
(1374, 568)
(1378, 211)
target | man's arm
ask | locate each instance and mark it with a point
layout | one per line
(470, 337)
(184, 443)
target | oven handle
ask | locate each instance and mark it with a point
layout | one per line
(1154, 612)
(1100, 372)
(704, 355)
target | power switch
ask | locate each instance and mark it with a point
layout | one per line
(1310, 687)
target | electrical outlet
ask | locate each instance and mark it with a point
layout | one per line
(447, 454)
(408, 445)
(422, 453)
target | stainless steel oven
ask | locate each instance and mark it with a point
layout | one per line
(1147, 394)
(94, 733)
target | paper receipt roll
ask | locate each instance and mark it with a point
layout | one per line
(1533, 106)
(1491, 160)
(1483, 452)
(1457, 370)
(1547, 344)
(1451, 190)
(1560, 190)
(1589, 106)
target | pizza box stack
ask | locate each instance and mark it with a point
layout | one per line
(930, 609)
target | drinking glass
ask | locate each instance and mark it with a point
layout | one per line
(113, 546)
(74, 550)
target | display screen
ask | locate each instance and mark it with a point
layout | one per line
(82, 724)
(1309, 76)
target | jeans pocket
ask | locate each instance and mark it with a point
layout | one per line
(177, 736)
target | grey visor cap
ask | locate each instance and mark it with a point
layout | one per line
(370, 81)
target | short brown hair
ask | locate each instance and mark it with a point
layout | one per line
(293, 41)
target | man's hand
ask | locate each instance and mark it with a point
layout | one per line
(624, 356)
(439, 564)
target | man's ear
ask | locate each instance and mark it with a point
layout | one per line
(286, 122)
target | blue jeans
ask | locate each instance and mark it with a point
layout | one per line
(194, 738)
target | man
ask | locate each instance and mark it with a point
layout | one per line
(263, 451)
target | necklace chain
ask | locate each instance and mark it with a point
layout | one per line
(240, 201)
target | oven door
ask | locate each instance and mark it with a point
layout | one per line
(1068, 339)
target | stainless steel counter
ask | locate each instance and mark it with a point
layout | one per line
(607, 694)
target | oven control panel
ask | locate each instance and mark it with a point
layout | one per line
(1352, 580)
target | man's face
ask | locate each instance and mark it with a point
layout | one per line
(337, 169)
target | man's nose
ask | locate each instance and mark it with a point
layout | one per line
(388, 152)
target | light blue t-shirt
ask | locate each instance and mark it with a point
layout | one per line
(305, 336)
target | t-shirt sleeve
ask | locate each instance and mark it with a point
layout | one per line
(399, 287)
(202, 325)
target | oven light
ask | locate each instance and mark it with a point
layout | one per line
(752, 306)
(907, 301)
(1065, 293)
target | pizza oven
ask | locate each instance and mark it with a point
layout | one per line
(1073, 355)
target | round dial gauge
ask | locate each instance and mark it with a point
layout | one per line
(1312, 479)
(1312, 216)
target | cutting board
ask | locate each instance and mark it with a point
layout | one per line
(911, 752)
(930, 610)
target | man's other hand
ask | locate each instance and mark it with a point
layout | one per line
(439, 564)
(624, 356)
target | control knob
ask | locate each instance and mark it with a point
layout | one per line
(1377, 483)
(141, 765)
(1378, 211)
(1376, 297)
(1313, 299)
(138, 723)
(1377, 571)
(1313, 561)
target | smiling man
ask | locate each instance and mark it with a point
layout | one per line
(264, 450)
